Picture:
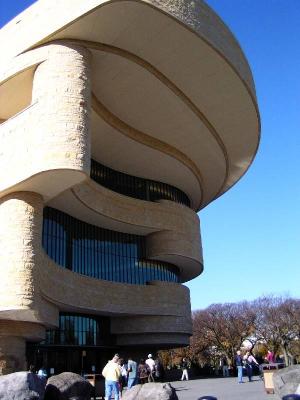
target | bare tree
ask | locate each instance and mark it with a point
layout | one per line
(221, 329)
(224, 326)
(278, 323)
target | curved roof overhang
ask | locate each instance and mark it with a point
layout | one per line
(170, 85)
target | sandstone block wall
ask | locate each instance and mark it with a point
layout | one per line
(46, 150)
(13, 335)
(21, 221)
(12, 354)
(35, 288)
(46, 147)
(62, 88)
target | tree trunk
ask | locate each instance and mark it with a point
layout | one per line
(285, 355)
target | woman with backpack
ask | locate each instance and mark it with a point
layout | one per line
(249, 362)
(143, 372)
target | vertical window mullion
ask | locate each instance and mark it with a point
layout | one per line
(81, 249)
(93, 250)
(99, 259)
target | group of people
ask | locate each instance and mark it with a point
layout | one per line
(248, 361)
(119, 374)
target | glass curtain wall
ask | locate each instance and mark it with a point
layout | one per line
(81, 343)
(139, 188)
(79, 330)
(101, 253)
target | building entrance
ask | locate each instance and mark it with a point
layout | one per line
(57, 359)
(81, 344)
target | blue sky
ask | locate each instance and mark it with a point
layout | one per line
(251, 235)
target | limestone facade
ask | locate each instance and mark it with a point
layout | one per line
(63, 112)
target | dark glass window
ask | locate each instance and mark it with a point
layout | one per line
(101, 253)
(139, 188)
(79, 330)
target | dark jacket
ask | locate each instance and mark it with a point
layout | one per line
(184, 365)
(238, 360)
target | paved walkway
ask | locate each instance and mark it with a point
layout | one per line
(222, 389)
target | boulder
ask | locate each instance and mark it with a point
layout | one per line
(151, 391)
(67, 386)
(22, 386)
(286, 381)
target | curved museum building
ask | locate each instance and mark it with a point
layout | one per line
(120, 120)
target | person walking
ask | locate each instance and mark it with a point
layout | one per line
(123, 377)
(151, 364)
(112, 374)
(132, 372)
(184, 368)
(239, 365)
(250, 361)
(225, 369)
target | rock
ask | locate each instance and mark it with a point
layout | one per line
(68, 386)
(150, 391)
(22, 386)
(286, 380)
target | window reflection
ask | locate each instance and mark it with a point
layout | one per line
(79, 330)
(100, 253)
(139, 188)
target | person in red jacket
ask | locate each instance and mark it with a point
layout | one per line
(270, 357)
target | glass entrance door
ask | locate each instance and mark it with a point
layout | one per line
(57, 359)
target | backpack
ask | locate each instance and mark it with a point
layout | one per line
(144, 370)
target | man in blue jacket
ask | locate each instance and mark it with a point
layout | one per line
(239, 366)
(132, 373)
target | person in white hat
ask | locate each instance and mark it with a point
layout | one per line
(151, 364)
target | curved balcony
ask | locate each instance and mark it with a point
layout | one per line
(138, 188)
(101, 253)
(171, 230)
(74, 293)
(181, 104)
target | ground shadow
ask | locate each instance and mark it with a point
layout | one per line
(207, 398)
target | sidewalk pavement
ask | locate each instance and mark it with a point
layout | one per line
(222, 389)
